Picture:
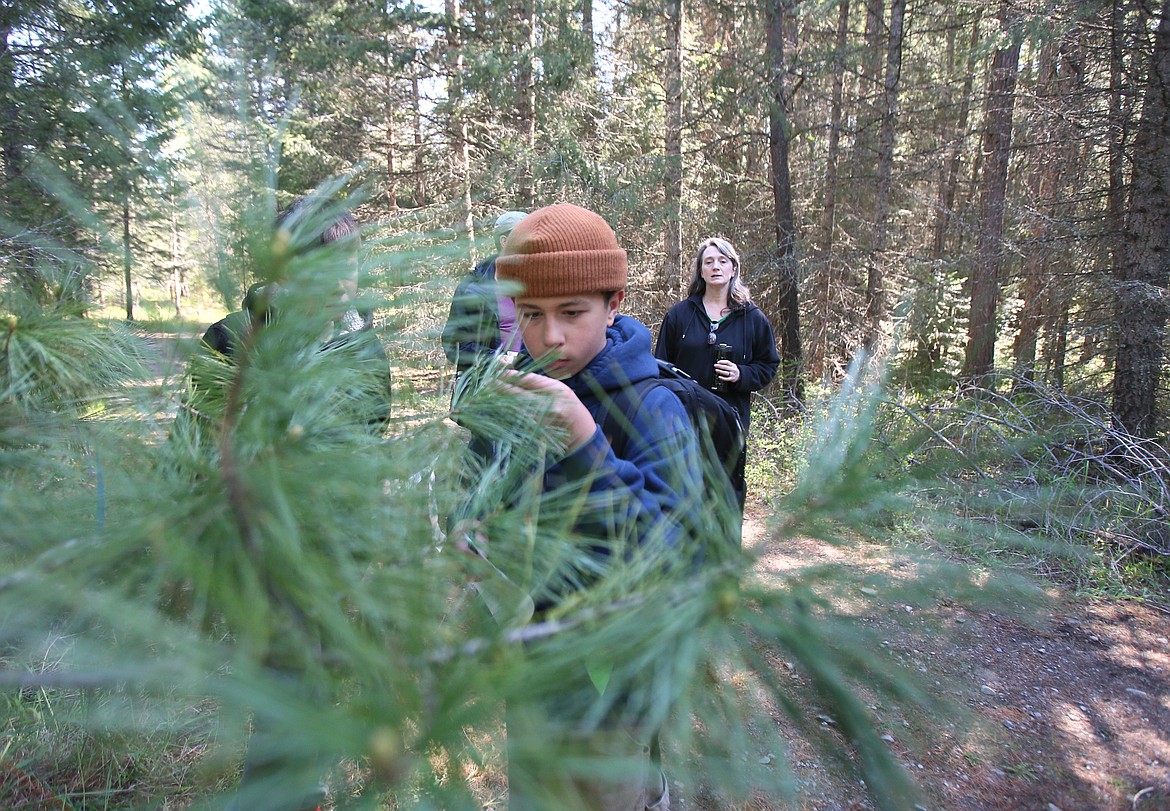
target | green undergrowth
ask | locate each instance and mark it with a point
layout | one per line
(1037, 482)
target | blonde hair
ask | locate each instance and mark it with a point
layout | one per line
(738, 295)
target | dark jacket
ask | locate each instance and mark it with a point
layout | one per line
(682, 340)
(473, 325)
(226, 335)
(654, 490)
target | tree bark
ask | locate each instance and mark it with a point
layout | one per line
(587, 34)
(932, 343)
(957, 135)
(1118, 129)
(876, 306)
(1142, 298)
(779, 136)
(389, 103)
(526, 109)
(127, 190)
(825, 278)
(458, 122)
(177, 275)
(126, 259)
(391, 164)
(420, 198)
(997, 144)
(1042, 186)
(865, 146)
(673, 179)
(10, 141)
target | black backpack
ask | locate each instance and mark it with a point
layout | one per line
(716, 422)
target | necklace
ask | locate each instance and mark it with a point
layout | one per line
(715, 322)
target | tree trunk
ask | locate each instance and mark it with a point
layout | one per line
(997, 144)
(957, 135)
(458, 122)
(779, 135)
(391, 166)
(825, 278)
(876, 306)
(932, 342)
(1142, 296)
(176, 261)
(587, 34)
(526, 109)
(865, 147)
(1056, 347)
(1043, 179)
(10, 141)
(1118, 129)
(420, 198)
(673, 176)
(126, 259)
(11, 149)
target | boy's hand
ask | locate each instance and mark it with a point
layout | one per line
(567, 412)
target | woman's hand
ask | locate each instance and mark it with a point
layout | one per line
(726, 371)
(566, 412)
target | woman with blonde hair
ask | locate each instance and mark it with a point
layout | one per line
(717, 335)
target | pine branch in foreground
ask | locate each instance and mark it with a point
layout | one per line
(281, 567)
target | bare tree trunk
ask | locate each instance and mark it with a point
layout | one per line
(779, 135)
(932, 342)
(419, 155)
(127, 192)
(391, 166)
(1056, 350)
(126, 259)
(997, 144)
(458, 119)
(876, 309)
(587, 33)
(10, 142)
(825, 279)
(11, 149)
(389, 103)
(1143, 300)
(949, 180)
(177, 280)
(526, 109)
(1121, 101)
(865, 147)
(1042, 187)
(673, 180)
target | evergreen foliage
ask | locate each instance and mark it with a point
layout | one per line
(233, 547)
(296, 570)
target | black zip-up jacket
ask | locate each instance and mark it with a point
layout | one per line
(682, 340)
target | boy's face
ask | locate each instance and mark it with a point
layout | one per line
(569, 329)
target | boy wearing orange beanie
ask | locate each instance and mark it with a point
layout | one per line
(637, 493)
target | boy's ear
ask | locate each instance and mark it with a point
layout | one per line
(612, 305)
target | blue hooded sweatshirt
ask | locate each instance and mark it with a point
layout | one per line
(648, 496)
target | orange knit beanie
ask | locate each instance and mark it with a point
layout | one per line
(563, 250)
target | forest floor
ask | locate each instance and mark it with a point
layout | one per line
(1068, 711)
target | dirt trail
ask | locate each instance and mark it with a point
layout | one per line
(1069, 714)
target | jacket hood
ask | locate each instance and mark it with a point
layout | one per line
(626, 359)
